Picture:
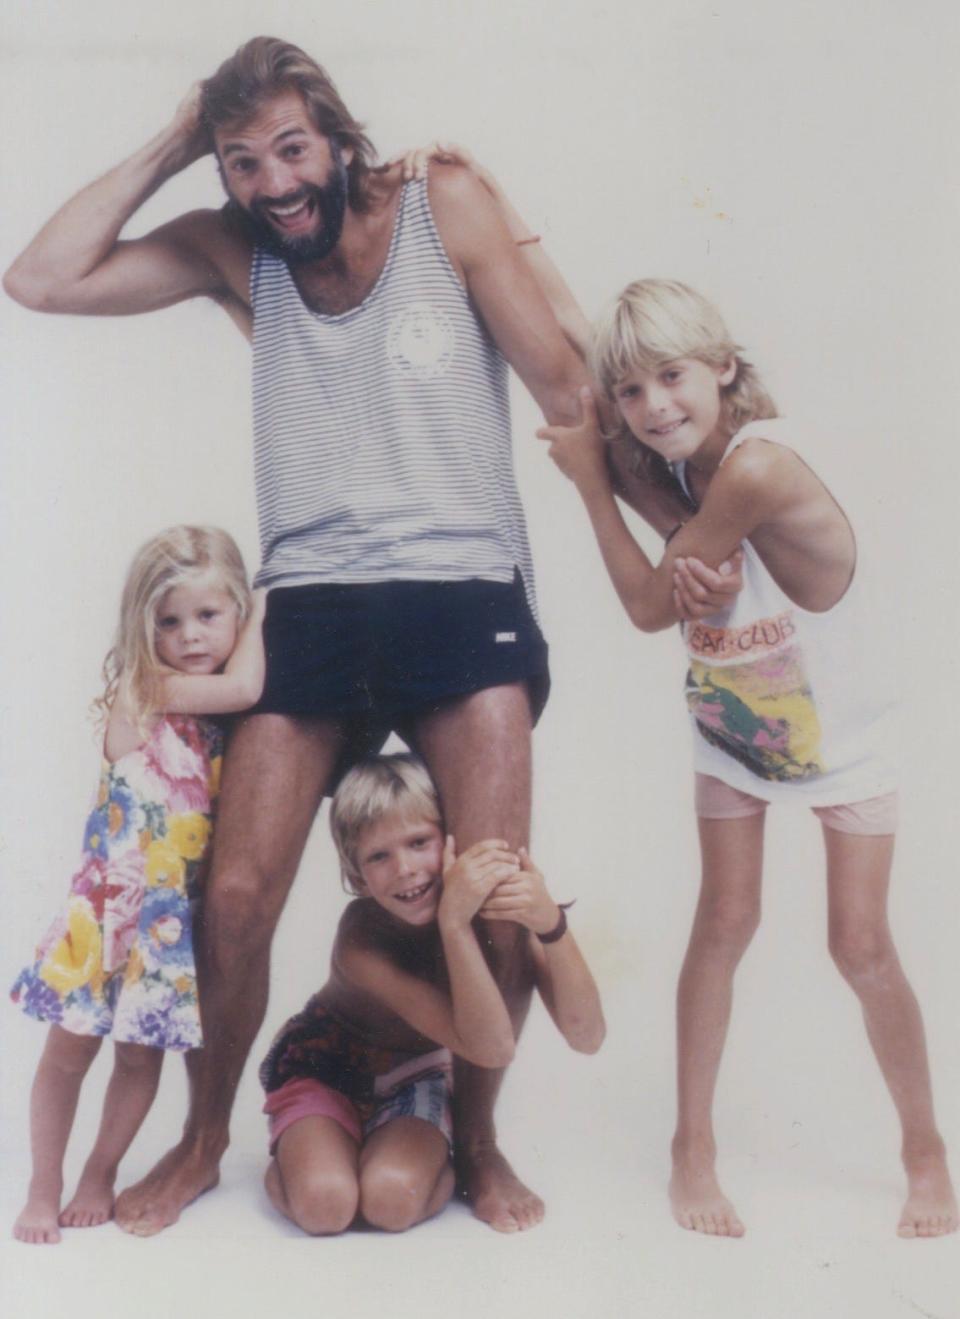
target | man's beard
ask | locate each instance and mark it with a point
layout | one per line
(329, 201)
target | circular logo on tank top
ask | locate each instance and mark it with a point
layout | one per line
(420, 341)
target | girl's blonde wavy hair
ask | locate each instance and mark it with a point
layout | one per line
(131, 670)
(654, 321)
(383, 785)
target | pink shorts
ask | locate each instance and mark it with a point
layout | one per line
(420, 1088)
(716, 800)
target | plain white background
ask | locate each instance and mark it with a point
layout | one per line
(791, 161)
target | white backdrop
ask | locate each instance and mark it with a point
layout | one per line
(787, 159)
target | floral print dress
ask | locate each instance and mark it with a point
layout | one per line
(118, 960)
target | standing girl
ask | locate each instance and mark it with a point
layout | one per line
(119, 959)
(358, 1082)
(781, 703)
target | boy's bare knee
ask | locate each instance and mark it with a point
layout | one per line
(323, 1204)
(391, 1198)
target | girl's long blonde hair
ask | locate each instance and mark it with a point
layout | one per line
(654, 321)
(131, 670)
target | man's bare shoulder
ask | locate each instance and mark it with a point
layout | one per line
(457, 195)
(467, 219)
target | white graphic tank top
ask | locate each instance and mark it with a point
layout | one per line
(785, 702)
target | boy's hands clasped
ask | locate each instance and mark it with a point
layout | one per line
(523, 897)
(491, 881)
(468, 880)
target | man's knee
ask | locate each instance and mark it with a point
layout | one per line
(242, 905)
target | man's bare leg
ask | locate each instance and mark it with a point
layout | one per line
(275, 773)
(727, 915)
(858, 877)
(478, 751)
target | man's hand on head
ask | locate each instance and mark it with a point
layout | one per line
(187, 124)
(699, 591)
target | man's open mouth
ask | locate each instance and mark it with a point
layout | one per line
(289, 214)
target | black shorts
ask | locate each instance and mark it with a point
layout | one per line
(378, 656)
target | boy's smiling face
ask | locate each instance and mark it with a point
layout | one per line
(400, 860)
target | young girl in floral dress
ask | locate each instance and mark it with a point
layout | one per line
(119, 958)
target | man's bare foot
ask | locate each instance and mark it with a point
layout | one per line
(183, 1174)
(931, 1207)
(92, 1203)
(37, 1224)
(497, 1194)
(697, 1201)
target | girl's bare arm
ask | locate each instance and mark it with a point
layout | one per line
(472, 1020)
(239, 685)
(751, 488)
(566, 985)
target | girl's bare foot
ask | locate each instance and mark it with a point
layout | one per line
(697, 1201)
(931, 1207)
(92, 1203)
(497, 1194)
(37, 1224)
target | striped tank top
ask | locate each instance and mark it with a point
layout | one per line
(382, 446)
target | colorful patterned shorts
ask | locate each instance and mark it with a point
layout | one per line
(419, 1088)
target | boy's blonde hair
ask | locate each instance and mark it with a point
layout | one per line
(131, 668)
(383, 785)
(654, 321)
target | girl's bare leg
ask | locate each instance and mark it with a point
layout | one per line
(53, 1103)
(405, 1174)
(130, 1093)
(858, 878)
(313, 1178)
(727, 915)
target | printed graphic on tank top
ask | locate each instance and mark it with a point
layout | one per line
(786, 702)
(749, 692)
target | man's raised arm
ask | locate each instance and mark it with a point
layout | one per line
(76, 263)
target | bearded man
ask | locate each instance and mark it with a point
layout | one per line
(382, 316)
